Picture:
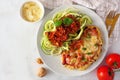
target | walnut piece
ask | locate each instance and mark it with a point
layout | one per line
(41, 72)
(39, 61)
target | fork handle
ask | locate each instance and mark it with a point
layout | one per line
(113, 25)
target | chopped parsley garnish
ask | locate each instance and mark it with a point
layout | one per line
(89, 53)
(84, 59)
(96, 45)
(88, 36)
(84, 48)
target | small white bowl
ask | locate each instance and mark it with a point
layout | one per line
(40, 6)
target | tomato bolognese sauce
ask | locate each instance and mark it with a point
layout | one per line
(62, 32)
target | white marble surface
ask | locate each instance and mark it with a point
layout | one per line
(18, 48)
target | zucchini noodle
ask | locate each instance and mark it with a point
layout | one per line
(65, 46)
(46, 45)
(56, 51)
(88, 19)
(50, 26)
(57, 16)
(61, 14)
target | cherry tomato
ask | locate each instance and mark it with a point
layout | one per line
(113, 60)
(105, 73)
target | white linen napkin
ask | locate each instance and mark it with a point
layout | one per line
(102, 7)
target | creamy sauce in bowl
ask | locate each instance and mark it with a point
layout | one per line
(32, 11)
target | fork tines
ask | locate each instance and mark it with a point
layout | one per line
(111, 14)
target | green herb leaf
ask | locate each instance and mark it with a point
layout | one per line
(89, 53)
(84, 59)
(88, 36)
(84, 48)
(67, 21)
(58, 23)
(96, 45)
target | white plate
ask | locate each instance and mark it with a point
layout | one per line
(54, 62)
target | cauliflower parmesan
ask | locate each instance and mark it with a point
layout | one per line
(85, 51)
